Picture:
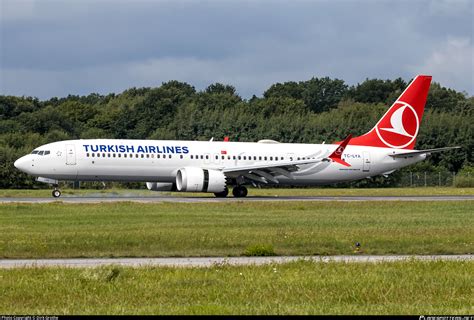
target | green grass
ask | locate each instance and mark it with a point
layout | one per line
(59, 230)
(410, 287)
(339, 192)
(272, 192)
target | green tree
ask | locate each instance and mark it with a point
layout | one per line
(441, 98)
(377, 91)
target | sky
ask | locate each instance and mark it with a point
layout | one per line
(56, 48)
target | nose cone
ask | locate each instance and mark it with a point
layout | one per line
(22, 164)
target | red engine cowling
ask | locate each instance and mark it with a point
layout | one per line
(192, 179)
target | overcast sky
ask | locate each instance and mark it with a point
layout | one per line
(55, 48)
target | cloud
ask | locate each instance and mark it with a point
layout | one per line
(21, 10)
(453, 62)
(449, 7)
(55, 48)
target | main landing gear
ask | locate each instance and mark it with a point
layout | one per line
(222, 194)
(56, 192)
(237, 191)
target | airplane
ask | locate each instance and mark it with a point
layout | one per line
(213, 166)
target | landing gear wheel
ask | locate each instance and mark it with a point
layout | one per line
(222, 194)
(239, 192)
(56, 193)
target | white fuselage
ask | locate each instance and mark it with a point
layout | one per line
(159, 160)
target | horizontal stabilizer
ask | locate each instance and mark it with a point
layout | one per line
(418, 152)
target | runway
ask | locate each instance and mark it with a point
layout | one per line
(183, 199)
(218, 261)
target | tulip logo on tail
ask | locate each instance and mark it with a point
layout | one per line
(399, 127)
(339, 151)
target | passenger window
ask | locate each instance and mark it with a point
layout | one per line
(202, 157)
(124, 155)
(260, 158)
(239, 157)
(181, 156)
(98, 155)
(87, 155)
(245, 157)
(228, 157)
(271, 158)
(152, 156)
(233, 157)
(136, 155)
(191, 157)
(119, 155)
(254, 157)
(93, 155)
(282, 158)
(142, 155)
(223, 157)
(265, 158)
(103, 155)
(147, 155)
(217, 157)
(108, 155)
(169, 156)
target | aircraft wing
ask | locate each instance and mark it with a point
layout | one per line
(418, 152)
(268, 172)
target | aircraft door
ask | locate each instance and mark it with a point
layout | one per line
(366, 163)
(70, 154)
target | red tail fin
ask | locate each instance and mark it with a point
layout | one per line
(400, 124)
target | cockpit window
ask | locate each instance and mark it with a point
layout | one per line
(41, 152)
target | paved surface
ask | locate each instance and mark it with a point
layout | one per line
(74, 199)
(213, 261)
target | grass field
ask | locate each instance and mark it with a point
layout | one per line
(410, 287)
(428, 191)
(58, 230)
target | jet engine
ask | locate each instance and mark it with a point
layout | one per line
(161, 186)
(192, 179)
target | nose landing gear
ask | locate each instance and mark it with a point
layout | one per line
(56, 192)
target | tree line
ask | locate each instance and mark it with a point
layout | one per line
(312, 111)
